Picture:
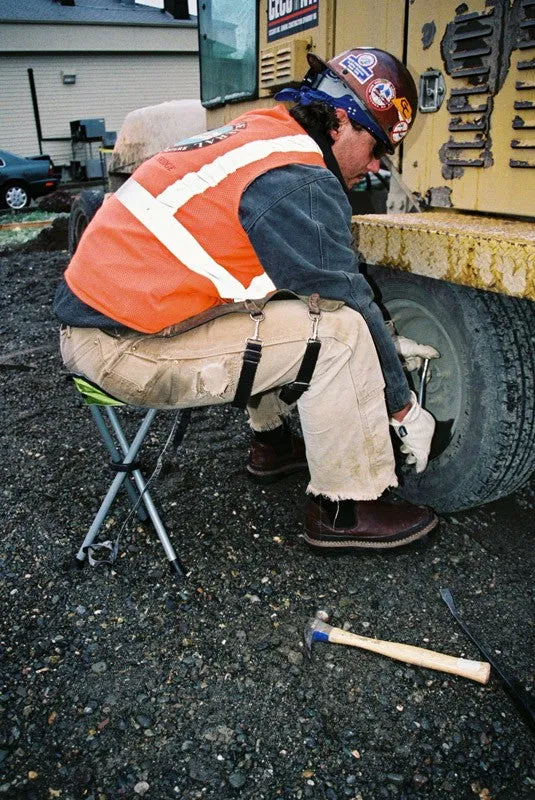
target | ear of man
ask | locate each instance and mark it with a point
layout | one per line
(343, 120)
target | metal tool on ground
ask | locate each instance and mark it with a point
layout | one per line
(318, 630)
(522, 699)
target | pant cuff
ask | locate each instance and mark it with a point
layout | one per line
(351, 495)
(269, 425)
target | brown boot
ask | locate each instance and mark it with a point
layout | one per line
(378, 526)
(268, 463)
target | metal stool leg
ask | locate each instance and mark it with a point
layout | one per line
(130, 453)
(159, 527)
(115, 456)
(116, 484)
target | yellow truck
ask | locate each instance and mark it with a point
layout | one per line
(453, 253)
(451, 247)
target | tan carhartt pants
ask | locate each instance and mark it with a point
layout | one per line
(343, 413)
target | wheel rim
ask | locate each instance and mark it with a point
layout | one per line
(444, 388)
(16, 197)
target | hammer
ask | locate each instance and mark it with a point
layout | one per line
(318, 630)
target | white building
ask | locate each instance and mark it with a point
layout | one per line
(67, 60)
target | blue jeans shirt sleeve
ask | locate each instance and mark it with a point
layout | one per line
(298, 220)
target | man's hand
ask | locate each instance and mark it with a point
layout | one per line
(415, 428)
(412, 353)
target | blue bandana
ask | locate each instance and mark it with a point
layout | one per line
(349, 102)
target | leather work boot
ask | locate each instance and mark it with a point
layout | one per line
(378, 526)
(268, 463)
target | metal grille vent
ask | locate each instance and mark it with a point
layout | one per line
(276, 67)
(470, 51)
(523, 144)
(282, 65)
(267, 68)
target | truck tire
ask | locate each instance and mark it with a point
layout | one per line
(83, 209)
(481, 391)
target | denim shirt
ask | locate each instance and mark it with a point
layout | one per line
(298, 220)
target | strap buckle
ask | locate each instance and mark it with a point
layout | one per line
(257, 317)
(315, 316)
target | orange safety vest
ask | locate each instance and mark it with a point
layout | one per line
(169, 244)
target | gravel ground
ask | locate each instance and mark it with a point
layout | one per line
(120, 683)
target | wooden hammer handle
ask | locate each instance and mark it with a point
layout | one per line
(475, 670)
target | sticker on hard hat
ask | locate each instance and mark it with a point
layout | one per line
(205, 139)
(400, 130)
(360, 66)
(404, 108)
(381, 94)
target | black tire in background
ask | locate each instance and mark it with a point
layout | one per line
(481, 390)
(83, 209)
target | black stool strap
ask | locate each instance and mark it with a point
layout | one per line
(290, 393)
(120, 466)
(251, 357)
(181, 428)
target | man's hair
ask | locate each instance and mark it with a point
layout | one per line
(318, 117)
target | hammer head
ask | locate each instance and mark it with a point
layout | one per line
(315, 630)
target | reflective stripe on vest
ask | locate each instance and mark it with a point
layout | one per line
(156, 214)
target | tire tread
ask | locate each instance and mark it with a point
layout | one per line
(493, 454)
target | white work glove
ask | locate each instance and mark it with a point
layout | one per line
(412, 353)
(416, 432)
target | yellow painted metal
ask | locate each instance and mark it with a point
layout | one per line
(483, 252)
(319, 38)
(369, 23)
(498, 189)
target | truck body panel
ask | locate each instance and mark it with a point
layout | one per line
(477, 152)
(490, 254)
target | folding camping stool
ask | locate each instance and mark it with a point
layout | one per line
(127, 470)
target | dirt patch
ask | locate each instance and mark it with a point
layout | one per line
(52, 238)
(33, 231)
(59, 201)
(117, 682)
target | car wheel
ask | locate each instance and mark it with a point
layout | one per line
(15, 196)
(481, 391)
(83, 209)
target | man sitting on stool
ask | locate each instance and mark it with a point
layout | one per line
(152, 301)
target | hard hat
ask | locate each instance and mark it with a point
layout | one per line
(382, 95)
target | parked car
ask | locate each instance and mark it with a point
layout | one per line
(22, 179)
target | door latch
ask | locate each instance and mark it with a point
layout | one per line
(431, 91)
